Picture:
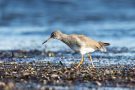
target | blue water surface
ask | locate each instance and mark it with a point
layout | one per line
(25, 24)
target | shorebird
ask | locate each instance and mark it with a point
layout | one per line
(79, 43)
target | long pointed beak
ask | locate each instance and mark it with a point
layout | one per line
(46, 40)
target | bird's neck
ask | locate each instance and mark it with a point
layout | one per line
(64, 38)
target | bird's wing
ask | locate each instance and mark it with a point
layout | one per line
(88, 42)
(75, 40)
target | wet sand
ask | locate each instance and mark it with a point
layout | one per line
(45, 75)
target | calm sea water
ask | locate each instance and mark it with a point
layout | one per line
(25, 24)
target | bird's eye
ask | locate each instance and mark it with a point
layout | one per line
(52, 35)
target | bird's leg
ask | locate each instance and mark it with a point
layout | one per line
(90, 58)
(82, 59)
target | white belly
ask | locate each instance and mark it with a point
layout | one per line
(82, 50)
(86, 50)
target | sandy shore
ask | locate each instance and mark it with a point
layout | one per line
(57, 74)
(42, 75)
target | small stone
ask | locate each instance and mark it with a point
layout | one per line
(26, 74)
(44, 81)
(46, 88)
(113, 77)
(107, 72)
(98, 83)
(42, 88)
(2, 84)
(55, 76)
(10, 85)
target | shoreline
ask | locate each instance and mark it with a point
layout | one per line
(38, 74)
(59, 75)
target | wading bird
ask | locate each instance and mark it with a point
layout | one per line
(79, 43)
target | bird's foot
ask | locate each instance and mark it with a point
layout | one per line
(77, 67)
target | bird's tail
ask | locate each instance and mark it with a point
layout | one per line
(103, 46)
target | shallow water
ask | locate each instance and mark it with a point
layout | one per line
(87, 86)
(29, 23)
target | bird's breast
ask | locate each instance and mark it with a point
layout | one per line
(74, 47)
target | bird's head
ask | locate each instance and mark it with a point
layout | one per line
(54, 35)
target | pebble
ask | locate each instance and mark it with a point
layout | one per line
(98, 83)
